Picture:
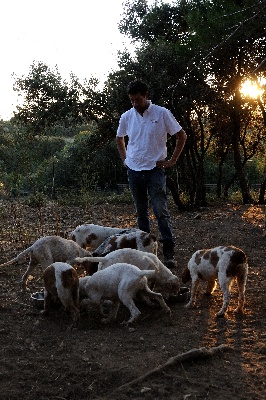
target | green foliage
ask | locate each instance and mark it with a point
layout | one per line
(22, 156)
(88, 161)
(49, 100)
(148, 24)
(37, 200)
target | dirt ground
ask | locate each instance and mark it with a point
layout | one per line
(41, 358)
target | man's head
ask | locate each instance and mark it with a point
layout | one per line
(138, 92)
(136, 87)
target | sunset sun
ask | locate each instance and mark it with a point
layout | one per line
(251, 89)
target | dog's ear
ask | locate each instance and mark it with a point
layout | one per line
(186, 275)
(175, 284)
(173, 281)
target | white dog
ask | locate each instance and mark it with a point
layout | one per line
(92, 236)
(47, 250)
(119, 282)
(164, 280)
(61, 282)
(224, 263)
(137, 239)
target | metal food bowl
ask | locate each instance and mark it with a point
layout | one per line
(182, 296)
(37, 300)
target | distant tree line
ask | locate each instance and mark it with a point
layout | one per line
(194, 56)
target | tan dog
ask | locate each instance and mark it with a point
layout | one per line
(47, 250)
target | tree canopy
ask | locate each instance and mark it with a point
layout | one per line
(194, 56)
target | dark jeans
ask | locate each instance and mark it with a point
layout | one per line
(151, 182)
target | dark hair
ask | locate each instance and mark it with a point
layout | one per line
(137, 87)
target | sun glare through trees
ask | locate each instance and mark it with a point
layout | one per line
(251, 89)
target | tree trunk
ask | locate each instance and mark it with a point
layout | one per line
(220, 172)
(246, 196)
(200, 200)
(262, 192)
(173, 187)
(228, 185)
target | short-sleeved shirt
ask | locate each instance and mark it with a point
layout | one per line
(147, 135)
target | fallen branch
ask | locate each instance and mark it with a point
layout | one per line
(190, 355)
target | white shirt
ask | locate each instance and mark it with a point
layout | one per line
(147, 135)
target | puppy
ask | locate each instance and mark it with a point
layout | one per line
(47, 250)
(164, 280)
(92, 236)
(61, 282)
(119, 282)
(226, 264)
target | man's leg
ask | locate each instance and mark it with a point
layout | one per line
(157, 191)
(138, 188)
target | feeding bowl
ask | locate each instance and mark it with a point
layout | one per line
(182, 296)
(37, 300)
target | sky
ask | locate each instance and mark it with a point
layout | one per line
(79, 37)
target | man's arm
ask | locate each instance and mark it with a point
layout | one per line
(180, 142)
(121, 147)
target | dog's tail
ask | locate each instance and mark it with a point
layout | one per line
(155, 248)
(149, 273)
(19, 257)
(151, 262)
(80, 260)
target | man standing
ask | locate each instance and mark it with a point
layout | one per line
(147, 125)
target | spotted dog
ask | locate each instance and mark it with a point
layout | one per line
(138, 240)
(61, 282)
(224, 263)
(47, 250)
(92, 236)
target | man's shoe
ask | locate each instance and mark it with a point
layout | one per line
(171, 264)
(168, 255)
(168, 251)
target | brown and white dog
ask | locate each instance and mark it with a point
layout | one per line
(92, 236)
(164, 280)
(47, 250)
(138, 239)
(119, 282)
(224, 263)
(61, 282)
